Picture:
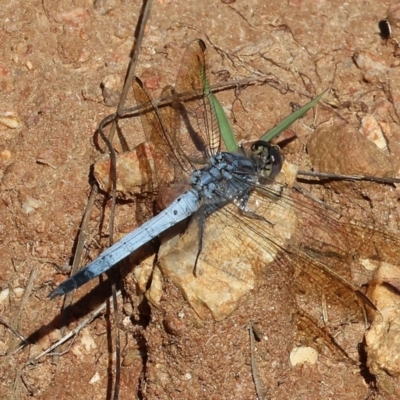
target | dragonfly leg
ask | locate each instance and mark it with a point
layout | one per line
(202, 223)
(242, 204)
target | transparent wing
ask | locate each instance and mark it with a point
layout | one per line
(171, 168)
(197, 130)
(293, 237)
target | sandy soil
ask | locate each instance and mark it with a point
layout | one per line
(55, 59)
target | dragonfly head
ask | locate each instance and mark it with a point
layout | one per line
(268, 158)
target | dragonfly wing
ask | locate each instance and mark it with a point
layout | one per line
(183, 207)
(197, 131)
(318, 255)
(234, 253)
(309, 333)
(170, 166)
(291, 236)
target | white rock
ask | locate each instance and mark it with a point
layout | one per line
(372, 131)
(302, 354)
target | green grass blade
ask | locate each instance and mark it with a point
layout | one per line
(286, 122)
(224, 126)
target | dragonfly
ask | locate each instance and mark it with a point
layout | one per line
(213, 177)
(237, 207)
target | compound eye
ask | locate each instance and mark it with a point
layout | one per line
(270, 158)
(276, 161)
(259, 147)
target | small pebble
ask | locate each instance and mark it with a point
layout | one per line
(188, 376)
(174, 325)
(10, 119)
(19, 292)
(95, 378)
(302, 354)
(4, 294)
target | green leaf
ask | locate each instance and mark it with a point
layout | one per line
(224, 127)
(286, 122)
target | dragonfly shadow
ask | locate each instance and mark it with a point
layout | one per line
(74, 312)
(285, 142)
(369, 378)
(97, 296)
(98, 136)
(194, 135)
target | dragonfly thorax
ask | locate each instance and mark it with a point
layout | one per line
(227, 177)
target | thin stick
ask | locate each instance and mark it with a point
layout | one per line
(17, 319)
(349, 177)
(16, 384)
(139, 34)
(13, 330)
(297, 186)
(82, 236)
(254, 369)
(217, 87)
(75, 331)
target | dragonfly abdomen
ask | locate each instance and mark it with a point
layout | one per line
(183, 207)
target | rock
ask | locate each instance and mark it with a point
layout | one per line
(383, 337)
(111, 87)
(233, 255)
(302, 354)
(11, 120)
(372, 65)
(372, 131)
(135, 172)
(343, 150)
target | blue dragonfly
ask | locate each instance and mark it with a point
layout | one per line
(186, 139)
(230, 194)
